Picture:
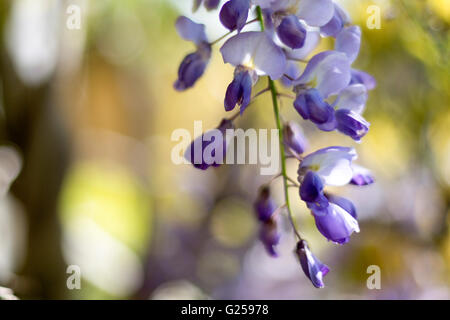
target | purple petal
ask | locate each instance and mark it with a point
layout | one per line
(361, 77)
(192, 68)
(316, 13)
(361, 176)
(202, 151)
(264, 205)
(335, 25)
(270, 236)
(313, 268)
(239, 91)
(234, 13)
(294, 138)
(335, 224)
(344, 203)
(311, 190)
(348, 41)
(255, 50)
(351, 124)
(330, 70)
(190, 31)
(291, 32)
(311, 106)
(293, 71)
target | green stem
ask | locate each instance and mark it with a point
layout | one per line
(276, 111)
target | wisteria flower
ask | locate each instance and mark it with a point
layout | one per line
(315, 13)
(348, 41)
(332, 164)
(194, 64)
(328, 71)
(264, 205)
(294, 138)
(209, 149)
(335, 223)
(313, 268)
(311, 106)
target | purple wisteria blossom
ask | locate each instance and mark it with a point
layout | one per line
(266, 209)
(209, 149)
(193, 65)
(294, 138)
(326, 90)
(312, 267)
(335, 217)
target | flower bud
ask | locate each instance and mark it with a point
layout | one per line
(264, 205)
(351, 124)
(270, 236)
(209, 149)
(312, 267)
(234, 14)
(294, 138)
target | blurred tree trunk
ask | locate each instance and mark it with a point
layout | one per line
(31, 122)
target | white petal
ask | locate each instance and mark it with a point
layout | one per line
(333, 164)
(350, 222)
(316, 13)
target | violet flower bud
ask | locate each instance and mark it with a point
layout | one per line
(270, 236)
(313, 268)
(264, 205)
(234, 14)
(239, 91)
(209, 149)
(293, 137)
(351, 124)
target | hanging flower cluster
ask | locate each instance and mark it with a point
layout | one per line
(326, 91)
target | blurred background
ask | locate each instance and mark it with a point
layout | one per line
(86, 116)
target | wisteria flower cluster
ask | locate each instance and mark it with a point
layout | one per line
(326, 91)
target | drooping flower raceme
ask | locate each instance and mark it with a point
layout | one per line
(327, 91)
